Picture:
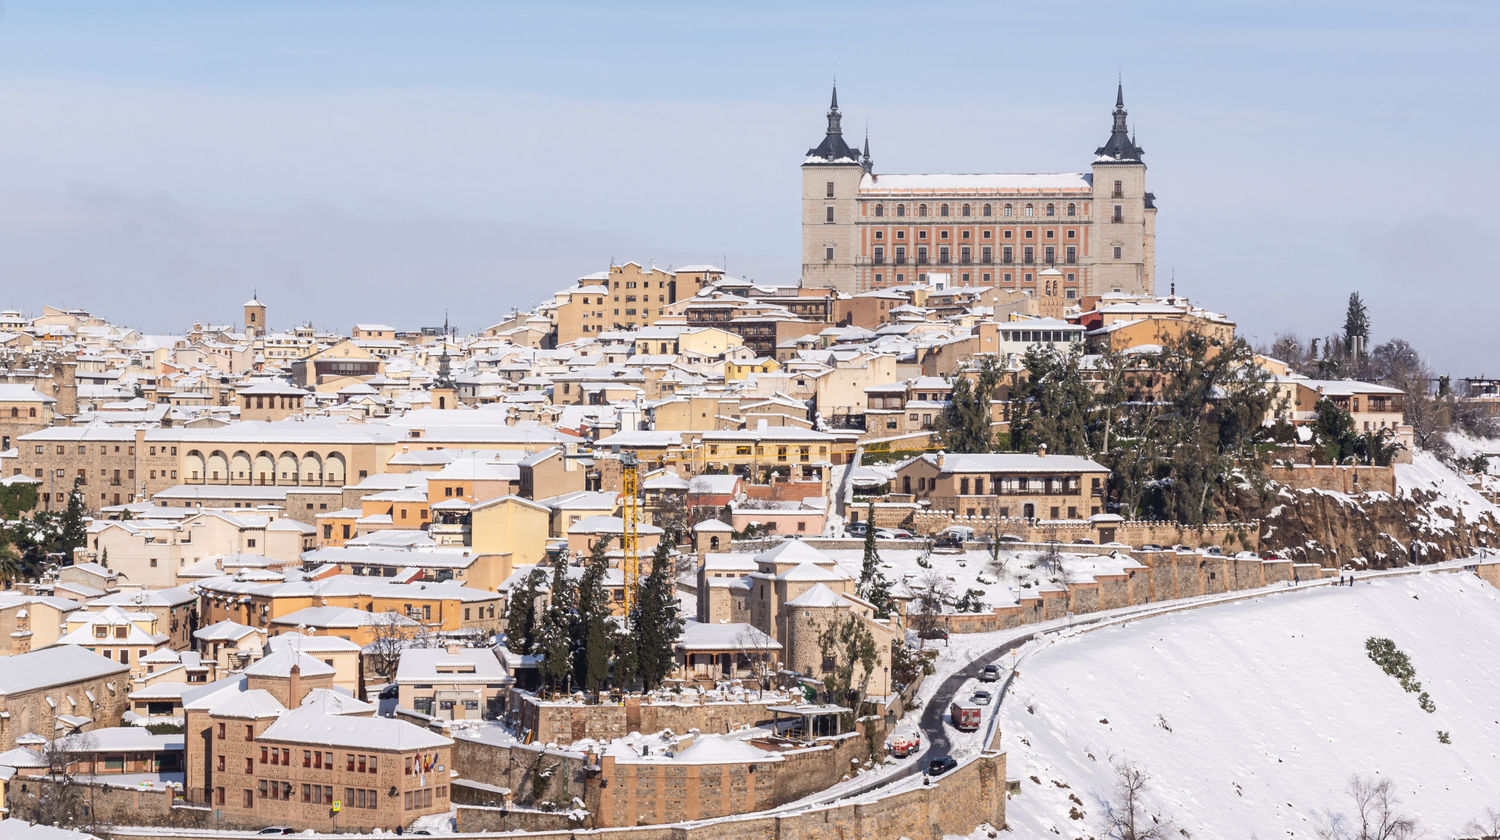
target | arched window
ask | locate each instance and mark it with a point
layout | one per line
(921, 210)
(987, 210)
(1007, 211)
(1072, 209)
(943, 211)
(15, 412)
(880, 210)
(1051, 209)
(1030, 211)
(900, 209)
(966, 211)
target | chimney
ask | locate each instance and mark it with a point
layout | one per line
(940, 460)
(1041, 451)
(293, 686)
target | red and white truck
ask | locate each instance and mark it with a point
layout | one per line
(905, 741)
(965, 715)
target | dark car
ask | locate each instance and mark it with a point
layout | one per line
(947, 541)
(1151, 547)
(856, 529)
(991, 673)
(935, 633)
(940, 765)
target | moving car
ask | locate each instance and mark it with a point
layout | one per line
(991, 673)
(940, 765)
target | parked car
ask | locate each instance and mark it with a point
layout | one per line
(276, 829)
(991, 673)
(940, 633)
(856, 529)
(940, 765)
(1215, 550)
(1083, 541)
(947, 541)
(1011, 538)
(981, 698)
(1151, 547)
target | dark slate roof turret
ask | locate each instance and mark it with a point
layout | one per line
(1120, 147)
(833, 149)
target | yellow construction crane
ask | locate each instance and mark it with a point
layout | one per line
(629, 534)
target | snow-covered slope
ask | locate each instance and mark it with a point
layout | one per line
(1426, 472)
(1251, 717)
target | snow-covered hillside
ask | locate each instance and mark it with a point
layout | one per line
(1251, 717)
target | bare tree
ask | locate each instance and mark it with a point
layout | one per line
(1375, 815)
(1126, 817)
(748, 641)
(1486, 827)
(393, 633)
(933, 592)
(1051, 557)
(64, 799)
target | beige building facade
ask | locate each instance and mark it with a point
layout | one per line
(1063, 234)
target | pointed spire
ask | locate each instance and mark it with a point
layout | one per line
(866, 162)
(1120, 146)
(833, 148)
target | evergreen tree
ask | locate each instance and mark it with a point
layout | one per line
(73, 527)
(1356, 326)
(592, 631)
(1053, 405)
(873, 586)
(520, 613)
(964, 424)
(657, 622)
(554, 640)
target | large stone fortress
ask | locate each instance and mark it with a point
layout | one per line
(1066, 234)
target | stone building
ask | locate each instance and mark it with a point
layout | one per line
(1007, 484)
(1093, 231)
(58, 690)
(281, 745)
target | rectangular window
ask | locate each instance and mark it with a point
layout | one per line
(1072, 254)
(828, 215)
(1117, 252)
(1119, 214)
(830, 188)
(828, 253)
(1119, 190)
(943, 254)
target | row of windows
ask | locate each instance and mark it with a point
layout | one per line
(986, 255)
(1007, 211)
(1030, 233)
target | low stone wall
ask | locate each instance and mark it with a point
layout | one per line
(1168, 575)
(551, 722)
(1339, 479)
(955, 803)
(1231, 536)
(647, 792)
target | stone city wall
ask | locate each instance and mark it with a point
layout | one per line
(1338, 479)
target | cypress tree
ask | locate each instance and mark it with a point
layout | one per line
(657, 623)
(873, 586)
(554, 641)
(591, 659)
(520, 613)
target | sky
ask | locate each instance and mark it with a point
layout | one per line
(378, 161)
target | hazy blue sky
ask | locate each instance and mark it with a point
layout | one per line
(383, 161)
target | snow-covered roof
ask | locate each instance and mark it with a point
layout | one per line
(979, 183)
(312, 726)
